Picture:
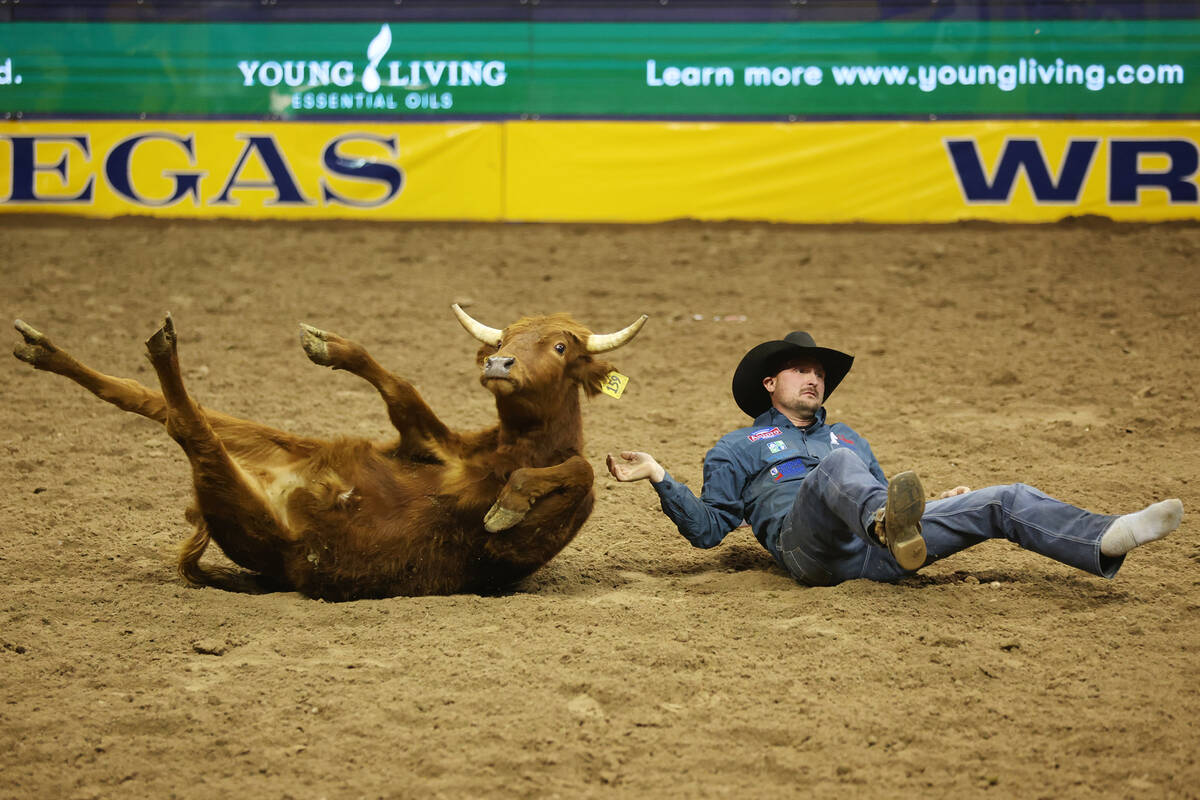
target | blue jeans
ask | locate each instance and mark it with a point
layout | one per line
(826, 536)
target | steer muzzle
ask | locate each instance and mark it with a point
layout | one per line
(498, 375)
(498, 367)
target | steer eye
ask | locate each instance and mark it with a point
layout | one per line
(560, 348)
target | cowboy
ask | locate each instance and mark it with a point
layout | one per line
(818, 501)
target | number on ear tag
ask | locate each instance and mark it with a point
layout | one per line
(614, 385)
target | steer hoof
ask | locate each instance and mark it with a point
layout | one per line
(315, 344)
(36, 347)
(163, 341)
(501, 519)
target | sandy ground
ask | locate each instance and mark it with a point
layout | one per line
(632, 665)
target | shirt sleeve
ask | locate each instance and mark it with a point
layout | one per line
(704, 521)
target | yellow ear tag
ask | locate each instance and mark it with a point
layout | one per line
(614, 384)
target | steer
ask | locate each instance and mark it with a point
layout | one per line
(433, 512)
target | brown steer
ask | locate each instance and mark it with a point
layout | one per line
(434, 512)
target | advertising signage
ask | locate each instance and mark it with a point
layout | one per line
(1128, 68)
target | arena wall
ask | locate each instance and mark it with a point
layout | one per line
(728, 113)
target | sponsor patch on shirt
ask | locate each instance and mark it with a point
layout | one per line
(776, 447)
(788, 469)
(765, 433)
(836, 438)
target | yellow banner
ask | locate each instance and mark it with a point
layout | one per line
(253, 170)
(888, 172)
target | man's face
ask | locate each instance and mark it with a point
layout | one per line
(798, 389)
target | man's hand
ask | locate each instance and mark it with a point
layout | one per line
(957, 490)
(637, 466)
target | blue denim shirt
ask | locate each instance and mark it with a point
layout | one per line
(752, 474)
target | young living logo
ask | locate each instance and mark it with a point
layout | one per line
(330, 85)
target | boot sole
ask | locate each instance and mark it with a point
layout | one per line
(902, 520)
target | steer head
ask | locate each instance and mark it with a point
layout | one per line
(540, 361)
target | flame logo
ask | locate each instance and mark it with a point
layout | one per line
(376, 50)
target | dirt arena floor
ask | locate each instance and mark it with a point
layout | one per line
(633, 665)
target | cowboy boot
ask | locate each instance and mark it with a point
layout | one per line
(898, 523)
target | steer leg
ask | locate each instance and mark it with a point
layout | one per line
(231, 506)
(420, 429)
(530, 488)
(538, 511)
(239, 436)
(126, 394)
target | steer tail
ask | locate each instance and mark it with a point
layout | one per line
(190, 551)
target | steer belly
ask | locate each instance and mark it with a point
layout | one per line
(359, 523)
(368, 525)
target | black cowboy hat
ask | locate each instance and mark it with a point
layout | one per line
(766, 358)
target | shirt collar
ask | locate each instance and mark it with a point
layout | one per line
(774, 418)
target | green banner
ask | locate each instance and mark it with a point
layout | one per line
(694, 70)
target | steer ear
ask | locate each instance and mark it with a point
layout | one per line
(592, 374)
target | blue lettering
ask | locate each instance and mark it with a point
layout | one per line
(116, 169)
(1126, 178)
(1015, 155)
(25, 169)
(287, 192)
(361, 169)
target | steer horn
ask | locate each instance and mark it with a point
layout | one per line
(603, 342)
(477, 329)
